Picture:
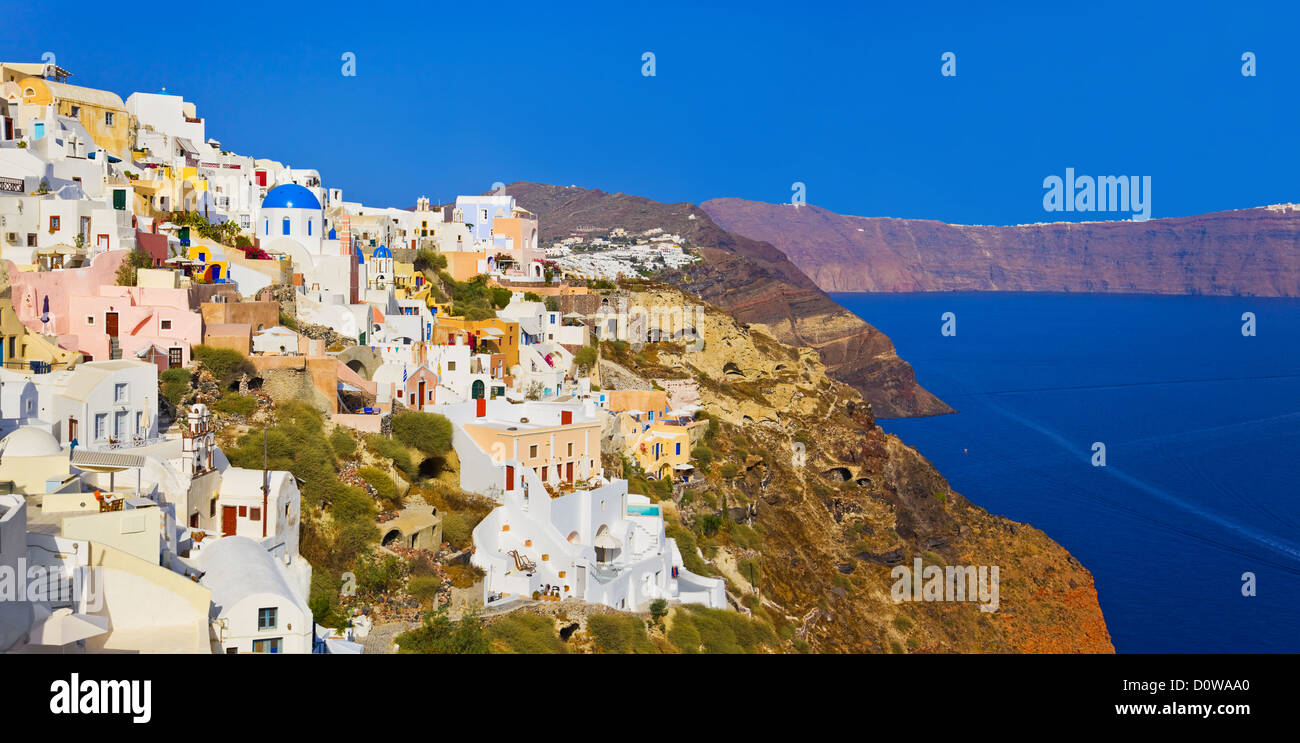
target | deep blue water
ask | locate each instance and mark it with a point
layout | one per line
(1202, 433)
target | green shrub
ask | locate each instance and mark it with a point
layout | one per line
(430, 433)
(458, 528)
(441, 635)
(174, 384)
(231, 404)
(424, 588)
(525, 633)
(619, 633)
(385, 488)
(392, 450)
(703, 456)
(700, 629)
(342, 443)
(226, 364)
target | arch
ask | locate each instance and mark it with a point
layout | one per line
(731, 368)
(393, 536)
(573, 537)
(476, 389)
(362, 360)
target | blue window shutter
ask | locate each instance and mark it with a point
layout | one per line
(285, 226)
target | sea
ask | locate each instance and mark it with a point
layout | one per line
(1190, 524)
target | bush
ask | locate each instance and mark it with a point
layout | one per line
(226, 364)
(241, 405)
(525, 633)
(174, 384)
(703, 456)
(392, 450)
(424, 588)
(430, 433)
(586, 356)
(700, 629)
(441, 635)
(458, 528)
(618, 633)
(385, 488)
(342, 443)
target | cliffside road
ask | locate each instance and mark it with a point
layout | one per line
(1251, 252)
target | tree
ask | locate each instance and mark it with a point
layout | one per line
(134, 261)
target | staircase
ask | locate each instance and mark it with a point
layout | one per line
(114, 348)
(646, 537)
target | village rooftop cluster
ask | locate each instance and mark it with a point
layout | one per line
(123, 526)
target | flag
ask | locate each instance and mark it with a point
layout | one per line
(403, 372)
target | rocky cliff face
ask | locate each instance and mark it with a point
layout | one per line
(1244, 252)
(752, 280)
(820, 505)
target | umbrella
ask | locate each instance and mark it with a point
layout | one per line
(64, 627)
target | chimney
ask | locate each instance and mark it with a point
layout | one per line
(480, 408)
(566, 417)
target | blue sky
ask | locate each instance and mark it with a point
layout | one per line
(747, 99)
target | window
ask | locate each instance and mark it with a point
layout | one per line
(679, 449)
(266, 229)
(74, 111)
(309, 228)
(267, 646)
(212, 508)
(166, 324)
(108, 118)
(173, 358)
(254, 514)
(31, 239)
(451, 366)
(267, 618)
(532, 451)
(119, 392)
(570, 448)
(90, 319)
(101, 426)
(284, 226)
(54, 224)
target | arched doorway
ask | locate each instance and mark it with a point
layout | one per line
(476, 389)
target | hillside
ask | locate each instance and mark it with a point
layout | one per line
(808, 501)
(1251, 252)
(752, 280)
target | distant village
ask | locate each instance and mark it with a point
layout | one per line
(132, 243)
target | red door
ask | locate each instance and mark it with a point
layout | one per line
(568, 471)
(421, 406)
(110, 324)
(510, 477)
(228, 515)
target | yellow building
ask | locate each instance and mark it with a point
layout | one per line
(102, 113)
(662, 451)
(493, 335)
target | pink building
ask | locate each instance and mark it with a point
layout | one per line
(126, 321)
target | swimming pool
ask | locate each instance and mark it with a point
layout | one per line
(642, 509)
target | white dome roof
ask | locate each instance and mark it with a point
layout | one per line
(29, 442)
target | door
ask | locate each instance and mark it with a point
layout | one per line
(110, 324)
(580, 582)
(421, 393)
(568, 471)
(72, 430)
(119, 199)
(510, 477)
(476, 390)
(173, 358)
(228, 516)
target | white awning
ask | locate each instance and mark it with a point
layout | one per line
(606, 541)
